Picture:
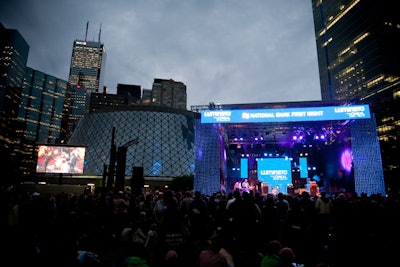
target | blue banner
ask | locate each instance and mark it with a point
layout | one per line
(327, 113)
(276, 172)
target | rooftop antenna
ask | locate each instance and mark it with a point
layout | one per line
(87, 27)
(99, 33)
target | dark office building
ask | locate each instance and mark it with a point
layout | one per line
(41, 106)
(76, 105)
(169, 93)
(100, 101)
(359, 60)
(133, 93)
(13, 58)
(39, 116)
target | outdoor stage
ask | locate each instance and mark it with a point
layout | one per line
(289, 147)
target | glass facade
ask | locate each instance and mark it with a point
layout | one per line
(13, 58)
(165, 145)
(77, 100)
(41, 106)
(357, 45)
(359, 59)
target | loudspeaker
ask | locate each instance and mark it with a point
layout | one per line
(137, 172)
(121, 164)
(137, 180)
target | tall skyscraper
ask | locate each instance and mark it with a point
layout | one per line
(358, 47)
(85, 76)
(168, 93)
(87, 64)
(359, 60)
(13, 58)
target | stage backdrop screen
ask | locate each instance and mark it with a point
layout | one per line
(244, 168)
(303, 167)
(60, 159)
(276, 172)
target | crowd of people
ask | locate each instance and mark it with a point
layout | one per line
(184, 229)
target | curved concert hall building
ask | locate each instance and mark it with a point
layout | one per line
(160, 140)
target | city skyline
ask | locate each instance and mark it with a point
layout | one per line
(244, 52)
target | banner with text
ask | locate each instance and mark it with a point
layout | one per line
(276, 172)
(327, 113)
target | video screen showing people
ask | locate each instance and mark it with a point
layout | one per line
(60, 159)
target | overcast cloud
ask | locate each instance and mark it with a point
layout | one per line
(228, 51)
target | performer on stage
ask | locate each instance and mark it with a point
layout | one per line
(246, 186)
(237, 186)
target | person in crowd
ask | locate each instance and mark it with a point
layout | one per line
(199, 218)
(236, 195)
(184, 206)
(159, 208)
(307, 208)
(152, 244)
(172, 227)
(133, 234)
(186, 202)
(171, 259)
(287, 258)
(136, 261)
(237, 186)
(245, 216)
(211, 257)
(271, 257)
(324, 209)
(121, 206)
(270, 218)
(283, 207)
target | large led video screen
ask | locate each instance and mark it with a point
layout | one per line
(60, 159)
(276, 172)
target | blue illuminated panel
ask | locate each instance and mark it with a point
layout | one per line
(286, 114)
(303, 167)
(244, 167)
